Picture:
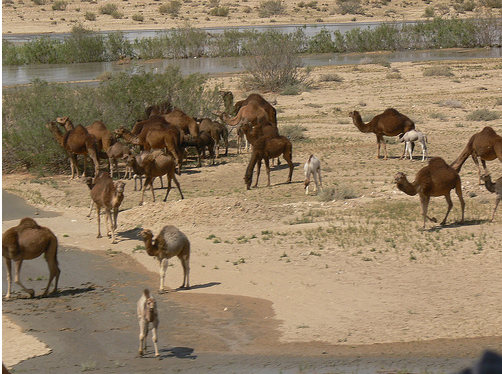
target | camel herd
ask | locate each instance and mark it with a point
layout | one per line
(162, 139)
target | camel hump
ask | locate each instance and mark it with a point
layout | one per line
(28, 222)
(438, 162)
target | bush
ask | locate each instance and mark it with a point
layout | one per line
(438, 71)
(483, 115)
(330, 77)
(349, 7)
(342, 192)
(59, 5)
(491, 3)
(138, 17)
(219, 11)
(173, 8)
(293, 132)
(270, 8)
(90, 16)
(108, 8)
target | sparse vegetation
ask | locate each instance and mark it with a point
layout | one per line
(438, 71)
(483, 115)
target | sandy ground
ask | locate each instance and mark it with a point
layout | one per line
(27, 17)
(348, 272)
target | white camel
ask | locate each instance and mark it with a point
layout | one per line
(410, 137)
(312, 168)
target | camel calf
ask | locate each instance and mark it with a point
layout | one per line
(27, 241)
(147, 313)
(495, 188)
(312, 168)
(107, 195)
(410, 137)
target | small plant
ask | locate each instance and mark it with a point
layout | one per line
(330, 77)
(219, 11)
(88, 366)
(138, 17)
(483, 115)
(429, 12)
(108, 8)
(59, 5)
(138, 248)
(293, 132)
(90, 16)
(270, 8)
(349, 7)
(438, 71)
(39, 2)
(117, 15)
(173, 8)
(451, 103)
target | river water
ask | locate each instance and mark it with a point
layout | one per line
(14, 75)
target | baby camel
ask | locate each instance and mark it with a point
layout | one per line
(410, 137)
(107, 195)
(147, 313)
(169, 243)
(312, 168)
(27, 241)
(436, 179)
(493, 187)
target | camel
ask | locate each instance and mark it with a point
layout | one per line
(414, 136)
(155, 164)
(218, 131)
(312, 168)
(389, 123)
(201, 142)
(186, 123)
(241, 138)
(27, 241)
(493, 187)
(251, 113)
(485, 145)
(104, 136)
(228, 101)
(154, 136)
(260, 100)
(267, 147)
(436, 179)
(77, 142)
(116, 152)
(147, 313)
(169, 243)
(108, 195)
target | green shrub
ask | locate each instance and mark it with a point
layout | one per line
(491, 3)
(270, 8)
(11, 54)
(39, 2)
(349, 7)
(59, 5)
(117, 15)
(108, 8)
(330, 77)
(219, 11)
(483, 115)
(429, 12)
(293, 132)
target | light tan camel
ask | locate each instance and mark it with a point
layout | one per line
(77, 141)
(251, 113)
(27, 241)
(147, 313)
(169, 243)
(265, 148)
(186, 123)
(389, 123)
(218, 132)
(109, 196)
(435, 179)
(260, 100)
(495, 188)
(155, 164)
(485, 145)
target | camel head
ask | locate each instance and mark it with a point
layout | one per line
(399, 177)
(247, 180)
(120, 186)
(486, 178)
(120, 131)
(354, 114)
(146, 234)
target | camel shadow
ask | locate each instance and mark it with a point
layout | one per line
(131, 234)
(178, 352)
(473, 222)
(200, 286)
(54, 295)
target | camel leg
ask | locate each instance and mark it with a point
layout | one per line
(112, 224)
(320, 178)
(289, 160)
(163, 267)
(178, 185)
(315, 182)
(8, 265)
(379, 140)
(258, 168)
(497, 201)
(168, 188)
(424, 151)
(154, 337)
(98, 212)
(424, 200)
(73, 165)
(475, 159)
(90, 209)
(52, 262)
(18, 281)
(458, 190)
(267, 168)
(450, 205)
(186, 271)
(148, 182)
(143, 331)
(85, 166)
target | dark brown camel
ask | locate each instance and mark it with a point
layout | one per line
(107, 195)
(389, 123)
(77, 141)
(495, 188)
(435, 179)
(104, 136)
(27, 241)
(485, 145)
(265, 148)
(201, 142)
(218, 132)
